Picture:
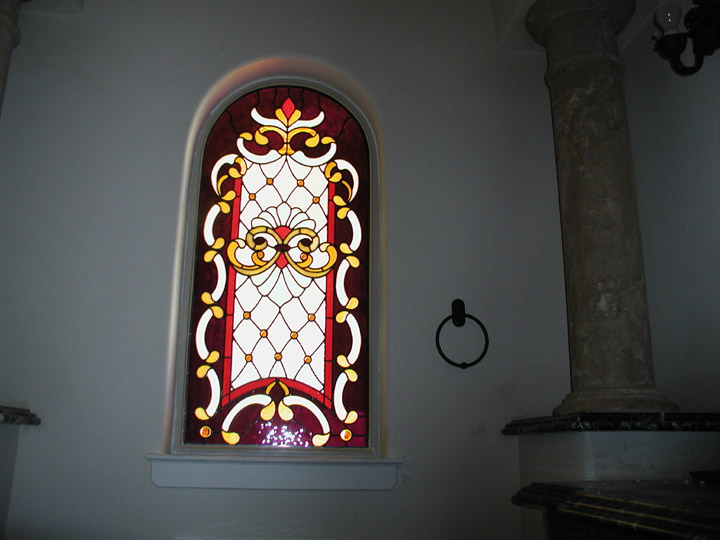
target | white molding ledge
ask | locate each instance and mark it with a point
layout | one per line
(230, 472)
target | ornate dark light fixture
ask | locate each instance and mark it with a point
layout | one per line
(703, 28)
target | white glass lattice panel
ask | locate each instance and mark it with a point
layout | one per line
(311, 337)
(265, 313)
(316, 212)
(263, 357)
(247, 213)
(285, 183)
(278, 370)
(302, 199)
(279, 334)
(318, 314)
(246, 335)
(309, 376)
(316, 182)
(293, 358)
(270, 170)
(317, 365)
(266, 197)
(313, 298)
(295, 314)
(276, 286)
(254, 179)
(299, 170)
(247, 296)
(242, 372)
(265, 281)
(297, 283)
(305, 201)
(248, 374)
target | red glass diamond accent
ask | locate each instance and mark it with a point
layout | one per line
(282, 231)
(288, 107)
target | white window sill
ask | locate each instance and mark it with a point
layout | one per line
(231, 472)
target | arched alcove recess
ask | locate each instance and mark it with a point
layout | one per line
(237, 83)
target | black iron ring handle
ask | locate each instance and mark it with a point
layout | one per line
(458, 318)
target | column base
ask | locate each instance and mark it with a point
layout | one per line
(614, 399)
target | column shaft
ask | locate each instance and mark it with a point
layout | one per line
(609, 338)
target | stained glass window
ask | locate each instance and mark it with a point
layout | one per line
(278, 350)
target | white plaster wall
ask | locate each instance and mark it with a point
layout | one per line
(92, 135)
(675, 133)
(8, 450)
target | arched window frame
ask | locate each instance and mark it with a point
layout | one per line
(239, 83)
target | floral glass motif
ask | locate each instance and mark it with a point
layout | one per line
(278, 351)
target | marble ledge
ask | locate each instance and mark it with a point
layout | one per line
(16, 416)
(615, 421)
(624, 509)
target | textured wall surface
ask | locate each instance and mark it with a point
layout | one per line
(97, 112)
(92, 141)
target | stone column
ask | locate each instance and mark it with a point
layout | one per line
(609, 338)
(9, 38)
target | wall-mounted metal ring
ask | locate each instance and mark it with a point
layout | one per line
(458, 318)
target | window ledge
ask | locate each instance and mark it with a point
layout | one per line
(231, 472)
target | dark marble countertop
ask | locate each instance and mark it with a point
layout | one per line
(14, 415)
(615, 421)
(687, 509)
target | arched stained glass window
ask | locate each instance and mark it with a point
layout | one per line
(277, 347)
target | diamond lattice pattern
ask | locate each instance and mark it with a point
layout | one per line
(279, 333)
